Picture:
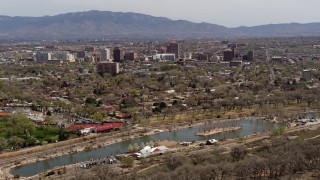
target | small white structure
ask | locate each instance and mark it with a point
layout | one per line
(148, 151)
(211, 141)
(35, 116)
(87, 131)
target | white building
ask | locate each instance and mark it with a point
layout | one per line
(65, 56)
(105, 55)
(69, 57)
(164, 57)
(148, 151)
(35, 116)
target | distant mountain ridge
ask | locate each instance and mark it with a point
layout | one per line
(118, 25)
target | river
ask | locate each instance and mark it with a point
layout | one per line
(188, 134)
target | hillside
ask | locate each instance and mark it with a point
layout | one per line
(117, 25)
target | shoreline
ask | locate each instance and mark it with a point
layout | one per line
(116, 139)
(6, 169)
(217, 130)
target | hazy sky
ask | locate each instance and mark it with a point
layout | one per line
(230, 13)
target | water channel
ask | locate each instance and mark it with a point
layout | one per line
(188, 134)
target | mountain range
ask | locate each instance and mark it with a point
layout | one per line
(118, 25)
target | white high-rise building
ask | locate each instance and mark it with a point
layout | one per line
(105, 54)
(69, 57)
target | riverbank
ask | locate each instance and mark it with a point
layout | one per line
(96, 141)
(217, 130)
(104, 141)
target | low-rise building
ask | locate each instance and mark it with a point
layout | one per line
(130, 56)
(164, 57)
(43, 57)
(112, 68)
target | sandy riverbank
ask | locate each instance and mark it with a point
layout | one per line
(217, 130)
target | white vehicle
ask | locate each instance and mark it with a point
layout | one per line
(211, 141)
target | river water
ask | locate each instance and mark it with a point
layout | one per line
(188, 134)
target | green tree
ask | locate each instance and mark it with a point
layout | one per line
(278, 131)
(16, 142)
(98, 116)
(127, 161)
(19, 124)
(3, 143)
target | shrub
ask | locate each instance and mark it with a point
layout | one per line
(127, 161)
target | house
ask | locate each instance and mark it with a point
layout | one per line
(36, 116)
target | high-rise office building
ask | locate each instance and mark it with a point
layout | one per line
(118, 55)
(105, 55)
(173, 48)
(228, 55)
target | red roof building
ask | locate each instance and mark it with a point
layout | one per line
(5, 114)
(103, 127)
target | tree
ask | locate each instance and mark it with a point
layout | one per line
(103, 172)
(45, 129)
(127, 161)
(91, 100)
(130, 148)
(16, 142)
(98, 116)
(142, 145)
(278, 131)
(151, 143)
(238, 153)
(3, 143)
(19, 123)
(174, 161)
(136, 147)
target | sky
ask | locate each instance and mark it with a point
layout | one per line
(229, 13)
